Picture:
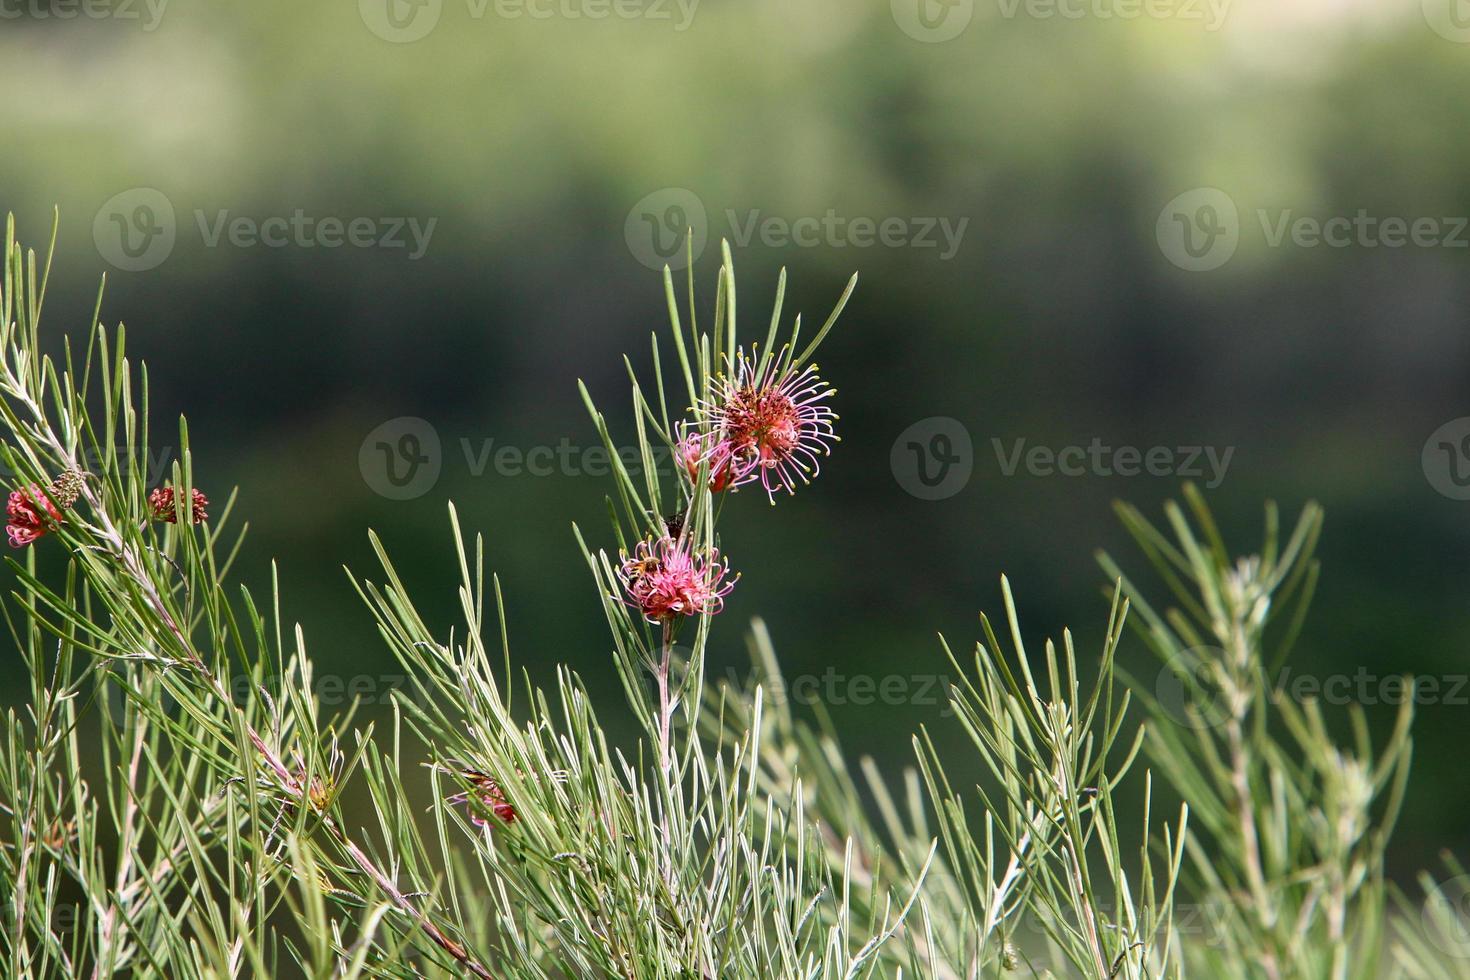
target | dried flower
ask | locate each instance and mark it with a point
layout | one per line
(30, 514)
(767, 425)
(665, 578)
(161, 502)
(60, 834)
(66, 488)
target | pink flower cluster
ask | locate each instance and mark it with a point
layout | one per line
(161, 503)
(764, 421)
(33, 512)
(761, 423)
(30, 514)
(666, 578)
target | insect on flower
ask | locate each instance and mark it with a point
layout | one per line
(489, 794)
(664, 578)
(161, 503)
(765, 422)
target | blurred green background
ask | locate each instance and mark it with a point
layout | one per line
(555, 143)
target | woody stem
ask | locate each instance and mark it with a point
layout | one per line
(665, 706)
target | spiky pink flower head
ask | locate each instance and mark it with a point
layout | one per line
(770, 423)
(695, 448)
(30, 515)
(161, 502)
(664, 578)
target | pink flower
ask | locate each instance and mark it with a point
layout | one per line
(771, 426)
(161, 502)
(31, 514)
(665, 579)
(695, 448)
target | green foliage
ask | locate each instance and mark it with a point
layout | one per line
(1290, 826)
(210, 832)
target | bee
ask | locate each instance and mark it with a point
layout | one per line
(639, 567)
